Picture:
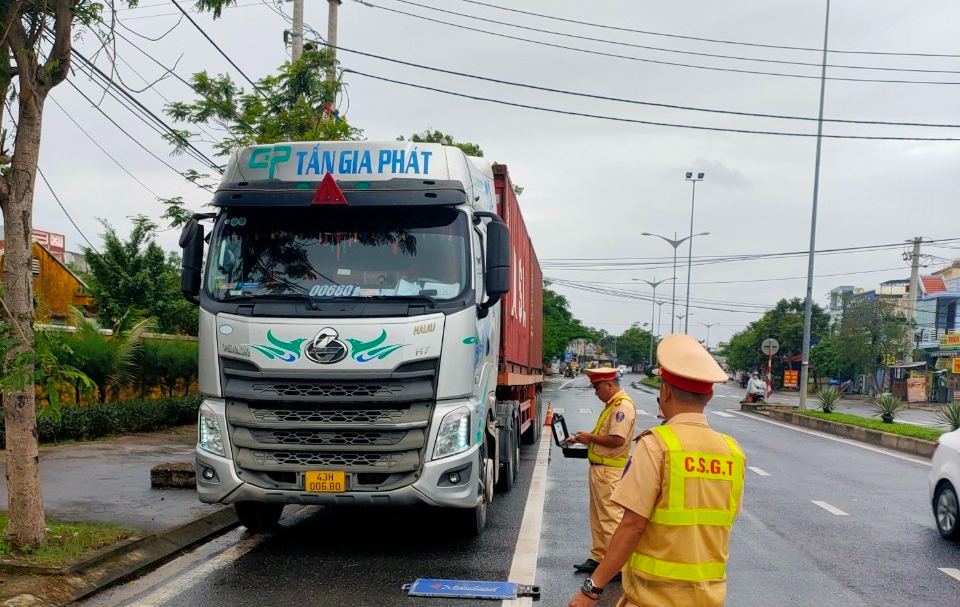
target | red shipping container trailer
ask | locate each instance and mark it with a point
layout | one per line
(521, 340)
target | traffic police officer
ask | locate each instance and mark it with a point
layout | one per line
(680, 492)
(608, 453)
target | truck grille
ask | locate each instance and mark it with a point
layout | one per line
(320, 437)
(373, 430)
(329, 416)
(327, 391)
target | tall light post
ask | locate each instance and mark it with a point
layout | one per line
(708, 325)
(659, 318)
(653, 307)
(808, 304)
(676, 245)
(693, 201)
(680, 317)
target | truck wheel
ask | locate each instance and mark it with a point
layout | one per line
(516, 444)
(470, 522)
(508, 465)
(258, 516)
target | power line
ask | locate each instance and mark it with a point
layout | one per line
(646, 60)
(730, 282)
(220, 50)
(102, 149)
(698, 39)
(634, 101)
(670, 50)
(129, 136)
(646, 122)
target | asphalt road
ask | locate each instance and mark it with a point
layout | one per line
(828, 523)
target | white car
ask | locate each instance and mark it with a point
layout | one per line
(945, 485)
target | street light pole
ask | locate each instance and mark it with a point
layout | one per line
(808, 304)
(653, 307)
(693, 201)
(676, 245)
(708, 325)
(659, 318)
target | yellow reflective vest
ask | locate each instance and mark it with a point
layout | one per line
(616, 462)
(685, 543)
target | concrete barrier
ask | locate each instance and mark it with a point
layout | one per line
(888, 440)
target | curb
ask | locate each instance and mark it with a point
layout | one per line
(887, 440)
(116, 563)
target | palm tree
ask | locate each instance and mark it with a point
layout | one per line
(111, 358)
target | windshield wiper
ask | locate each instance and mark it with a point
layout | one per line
(421, 297)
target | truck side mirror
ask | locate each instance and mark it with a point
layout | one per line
(191, 242)
(497, 277)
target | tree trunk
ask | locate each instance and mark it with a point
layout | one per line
(27, 524)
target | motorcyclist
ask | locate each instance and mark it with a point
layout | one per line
(756, 389)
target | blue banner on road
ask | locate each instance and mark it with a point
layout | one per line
(464, 589)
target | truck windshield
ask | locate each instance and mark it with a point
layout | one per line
(324, 252)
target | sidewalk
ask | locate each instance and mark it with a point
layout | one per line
(109, 481)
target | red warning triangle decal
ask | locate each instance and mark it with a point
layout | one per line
(329, 192)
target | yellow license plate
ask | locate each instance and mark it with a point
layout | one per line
(326, 482)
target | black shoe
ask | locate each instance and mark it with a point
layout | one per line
(588, 566)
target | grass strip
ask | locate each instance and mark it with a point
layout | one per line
(930, 434)
(66, 542)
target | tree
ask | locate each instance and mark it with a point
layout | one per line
(826, 360)
(633, 347)
(785, 324)
(293, 105)
(560, 327)
(870, 332)
(110, 360)
(35, 52)
(137, 273)
(434, 136)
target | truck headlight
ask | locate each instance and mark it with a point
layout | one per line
(209, 437)
(454, 434)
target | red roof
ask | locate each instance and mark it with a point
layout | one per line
(933, 284)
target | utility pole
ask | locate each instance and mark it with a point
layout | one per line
(693, 202)
(914, 289)
(332, 36)
(296, 35)
(808, 304)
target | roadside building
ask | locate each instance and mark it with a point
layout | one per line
(55, 287)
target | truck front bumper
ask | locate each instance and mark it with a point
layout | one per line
(432, 488)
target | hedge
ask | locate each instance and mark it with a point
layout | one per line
(88, 422)
(931, 434)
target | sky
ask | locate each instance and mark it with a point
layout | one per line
(592, 186)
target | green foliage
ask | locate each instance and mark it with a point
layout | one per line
(826, 358)
(949, 415)
(289, 106)
(887, 407)
(828, 399)
(99, 420)
(66, 542)
(869, 333)
(434, 136)
(170, 363)
(783, 323)
(929, 434)
(47, 364)
(633, 347)
(111, 361)
(137, 273)
(559, 325)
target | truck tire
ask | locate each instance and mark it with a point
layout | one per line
(258, 516)
(470, 522)
(509, 463)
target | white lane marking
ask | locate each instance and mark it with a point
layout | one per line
(921, 424)
(523, 570)
(568, 382)
(954, 573)
(167, 590)
(759, 471)
(559, 410)
(722, 414)
(642, 412)
(584, 410)
(829, 508)
(846, 441)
